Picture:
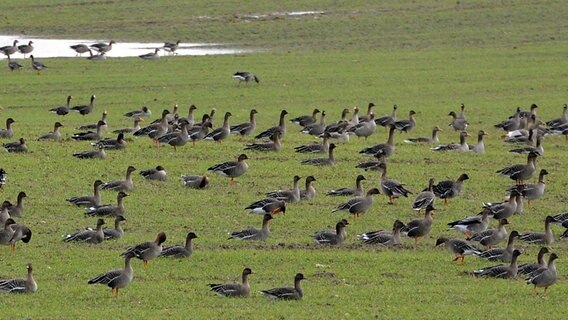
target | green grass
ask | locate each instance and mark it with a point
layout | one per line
(419, 60)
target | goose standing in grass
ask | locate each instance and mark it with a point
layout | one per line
(90, 135)
(533, 191)
(471, 225)
(373, 165)
(387, 121)
(491, 237)
(503, 210)
(266, 134)
(121, 185)
(151, 56)
(247, 128)
(432, 139)
(386, 149)
(102, 47)
(420, 227)
(358, 205)
(332, 238)
(384, 237)
(290, 196)
(231, 169)
(563, 119)
(107, 209)
(112, 144)
(245, 76)
(458, 248)
(171, 47)
(88, 201)
(546, 238)
(92, 154)
(309, 192)
(306, 120)
(252, 233)
(26, 48)
(234, 289)
(459, 147)
(142, 113)
(458, 124)
(116, 279)
(538, 148)
(9, 131)
(274, 145)
(195, 181)
(179, 251)
(19, 146)
(7, 232)
(157, 173)
(18, 209)
(4, 214)
(10, 50)
(136, 127)
(157, 129)
(148, 250)
(329, 161)
(367, 117)
(390, 187)
(85, 109)
(267, 205)
(547, 277)
(357, 192)
(407, 124)
(512, 123)
(315, 129)
(448, 189)
(222, 133)
(287, 293)
(62, 110)
(425, 198)
(37, 65)
(27, 285)
(54, 135)
(364, 129)
(501, 254)
(117, 232)
(501, 271)
(177, 138)
(88, 236)
(480, 146)
(80, 49)
(13, 65)
(520, 172)
(20, 232)
(315, 147)
(532, 269)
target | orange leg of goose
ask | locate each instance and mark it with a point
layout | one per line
(529, 204)
(13, 245)
(534, 290)
(145, 263)
(445, 201)
(545, 288)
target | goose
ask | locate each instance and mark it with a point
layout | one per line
(364, 129)
(7, 232)
(88, 201)
(425, 198)
(121, 185)
(306, 120)
(267, 205)
(27, 285)
(95, 125)
(459, 147)
(387, 121)
(386, 149)
(420, 227)
(270, 131)
(315, 129)
(157, 173)
(432, 139)
(96, 57)
(252, 233)
(247, 128)
(447, 189)
(406, 125)
(274, 145)
(199, 132)
(245, 76)
(136, 127)
(501, 271)
(533, 191)
(117, 232)
(505, 209)
(329, 161)
(287, 293)
(532, 269)
(195, 181)
(102, 47)
(309, 192)
(520, 172)
(480, 146)
(107, 209)
(18, 209)
(13, 65)
(90, 135)
(147, 251)
(54, 135)
(4, 213)
(19, 146)
(222, 133)
(498, 254)
(390, 187)
(471, 225)
(546, 238)
(512, 123)
(332, 238)
(19, 232)
(491, 237)
(92, 154)
(290, 196)
(112, 144)
(334, 127)
(538, 149)
(357, 192)
(161, 126)
(80, 49)
(88, 236)
(458, 248)
(358, 205)
(547, 277)
(85, 109)
(178, 138)
(563, 119)
(171, 47)
(9, 131)
(231, 169)
(179, 251)
(3, 177)
(383, 237)
(367, 117)
(10, 50)
(62, 110)
(151, 56)
(142, 113)
(373, 165)
(37, 65)
(458, 124)
(116, 279)
(234, 289)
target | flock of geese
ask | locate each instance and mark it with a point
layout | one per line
(523, 129)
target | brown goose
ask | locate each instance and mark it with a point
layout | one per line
(155, 130)
(358, 205)
(85, 109)
(499, 254)
(448, 189)
(357, 192)
(231, 169)
(234, 289)
(220, 134)
(179, 251)
(315, 147)
(406, 125)
(332, 238)
(27, 285)
(121, 185)
(287, 293)
(19, 146)
(107, 209)
(88, 201)
(117, 232)
(13, 65)
(390, 187)
(252, 233)
(315, 129)
(247, 128)
(266, 134)
(367, 117)
(268, 205)
(459, 147)
(491, 237)
(18, 209)
(521, 172)
(432, 139)
(88, 236)
(373, 165)
(364, 129)
(290, 196)
(532, 269)
(177, 138)
(309, 192)
(329, 161)
(62, 110)
(546, 238)
(387, 121)
(420, 227)
(458, 124)
(136, 127)
(386, 149)
(80, 49)
(245, 76)
(144, 112)
(471, 225)
(457, 247)
(116, 279)
(306, 120)
(274, 145)
(195, 181)
(384, 237)
(55, 135)
(37, 65)
(112, 144)
(148, 250)
(425, 198)
(9, 131)
(157, 173)
(547, 277)
(501, 271)
(533, 191)
(10, 50)
(171, 47)
(90, 135)
(92, 154)
(480, 146)
(102, 47)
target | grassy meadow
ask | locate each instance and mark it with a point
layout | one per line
(427, 56)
